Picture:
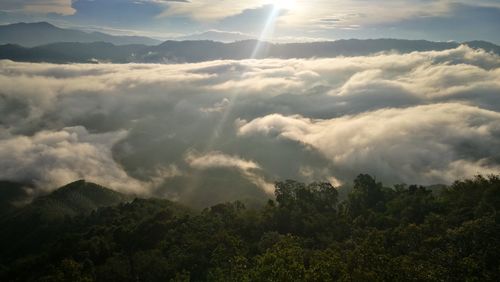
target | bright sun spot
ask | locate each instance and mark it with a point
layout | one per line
(284, 4)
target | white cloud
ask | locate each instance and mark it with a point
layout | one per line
(419, 117)
(220, 160)
(417, 144)
(210, 10)
(217, 107)
(324, 14)
(62, 7)
(53, 158)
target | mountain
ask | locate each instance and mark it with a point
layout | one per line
(72, 52)
(205, 50)
(42, 218)
(25, 227)
(44, 42)
(77, 198)
(216, 35)
(490, 47)
(42, 33)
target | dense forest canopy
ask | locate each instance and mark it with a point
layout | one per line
(400, 233)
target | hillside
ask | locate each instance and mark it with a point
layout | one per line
(74, 199)
(378, 233)
(12, 196)
(42, 218)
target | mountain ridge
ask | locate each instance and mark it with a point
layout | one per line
(73, 199)
(205, 50)
(78, 197)
(41, 33)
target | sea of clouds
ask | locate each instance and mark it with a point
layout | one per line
(225, 130)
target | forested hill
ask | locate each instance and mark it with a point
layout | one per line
(77, 198)
(401, 233)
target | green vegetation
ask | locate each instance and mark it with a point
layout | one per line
(402, 233)
(11, 195)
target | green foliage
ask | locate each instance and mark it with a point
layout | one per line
(11, 195)
(284, 261)
(403, 233)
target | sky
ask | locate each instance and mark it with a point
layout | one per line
(293, 20)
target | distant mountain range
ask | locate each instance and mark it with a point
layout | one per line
(198, 51)
(216, 35)
(57, 45)
(41, 33)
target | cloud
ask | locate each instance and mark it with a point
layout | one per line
(51, 159)
(325, 14)
(306, 20)
(220, 160)
(217, 107)
(62, 7)
(461, 21)
(217, 159)
(211, 10)
(414, 19)
(223, 130)
(430, 144)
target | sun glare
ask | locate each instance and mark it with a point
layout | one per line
(284, 4)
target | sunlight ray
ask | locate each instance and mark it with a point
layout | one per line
(266, 34)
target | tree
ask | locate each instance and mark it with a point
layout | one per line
(367, 195)
(284, 261)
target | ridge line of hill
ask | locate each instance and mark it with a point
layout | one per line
(199, 51)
